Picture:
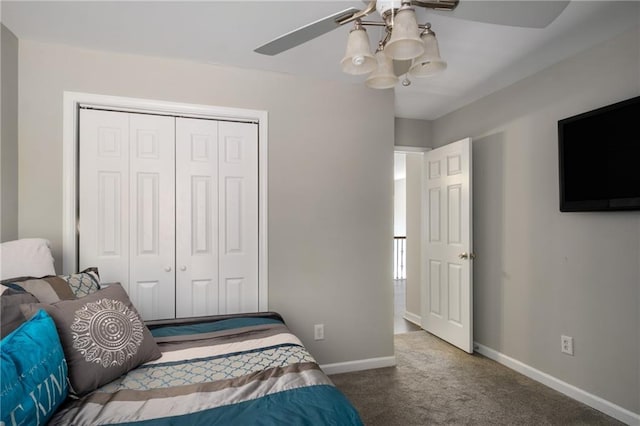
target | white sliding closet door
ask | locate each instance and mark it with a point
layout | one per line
(152, 215)
(197, 284)
(169, 208)
(217, 217)
(238, 216)
(127, 198)
(104, 194)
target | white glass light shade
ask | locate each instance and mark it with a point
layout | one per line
(430, 62)
(405, 40)
(383, 76)
(358, 58)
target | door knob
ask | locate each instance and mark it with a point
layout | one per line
(183, 268)
(167, 268)
(465, 255)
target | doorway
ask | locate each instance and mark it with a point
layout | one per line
(437, 260)
(406, 242)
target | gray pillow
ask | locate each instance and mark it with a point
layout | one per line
(11, 316)
(102, 335)
(54, 288)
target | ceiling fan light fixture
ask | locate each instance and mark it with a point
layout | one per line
(430, 62)
(382, 77)
(405, 42)
(358, 58)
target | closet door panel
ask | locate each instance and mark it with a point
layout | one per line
(197, 285)
(238, 217)
(152, 218)
(169, 208)
(104, 194)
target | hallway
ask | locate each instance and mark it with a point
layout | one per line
(401, 325)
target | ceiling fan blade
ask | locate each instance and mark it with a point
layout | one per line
(436, 4)
(306, 33)
(529, 14)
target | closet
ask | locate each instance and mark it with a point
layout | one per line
(168, 207)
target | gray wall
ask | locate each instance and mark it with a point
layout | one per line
(330, 179)
(414, 232)
(411, 132)
(9, 136)
(541, 273)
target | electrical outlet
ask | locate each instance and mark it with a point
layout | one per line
(318, 331)
(566, 345)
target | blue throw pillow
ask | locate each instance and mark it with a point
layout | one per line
(34, 372)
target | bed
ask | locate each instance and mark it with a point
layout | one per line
(236, 369)
(76, 352)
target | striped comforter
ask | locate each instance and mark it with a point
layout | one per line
(229, 371)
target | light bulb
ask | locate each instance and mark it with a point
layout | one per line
(358, 60)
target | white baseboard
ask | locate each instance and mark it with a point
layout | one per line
(411, 317)
(571, 391)
(359, 365)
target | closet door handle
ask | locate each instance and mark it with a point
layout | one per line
(167, 268)
(183, 268)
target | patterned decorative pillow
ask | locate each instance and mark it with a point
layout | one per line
(102, 335)
(10, 314)
(54, 288)
(33, 373)
(83, 283)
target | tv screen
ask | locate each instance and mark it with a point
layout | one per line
(599, 154)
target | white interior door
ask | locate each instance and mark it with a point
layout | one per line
(238, 216)
(152, 215)
(447, 287)
(197, 285)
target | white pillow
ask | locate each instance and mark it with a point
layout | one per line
(26, 257)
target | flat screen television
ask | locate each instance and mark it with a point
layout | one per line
(599, 154)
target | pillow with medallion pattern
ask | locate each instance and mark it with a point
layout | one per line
(102, 335)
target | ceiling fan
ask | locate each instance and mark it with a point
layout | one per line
(406, 47)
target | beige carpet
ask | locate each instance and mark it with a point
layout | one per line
(435, 383)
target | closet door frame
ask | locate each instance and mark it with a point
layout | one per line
(72, 101)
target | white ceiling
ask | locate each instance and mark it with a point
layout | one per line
(482, 58)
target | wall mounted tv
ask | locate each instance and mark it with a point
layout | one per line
(599, 155)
